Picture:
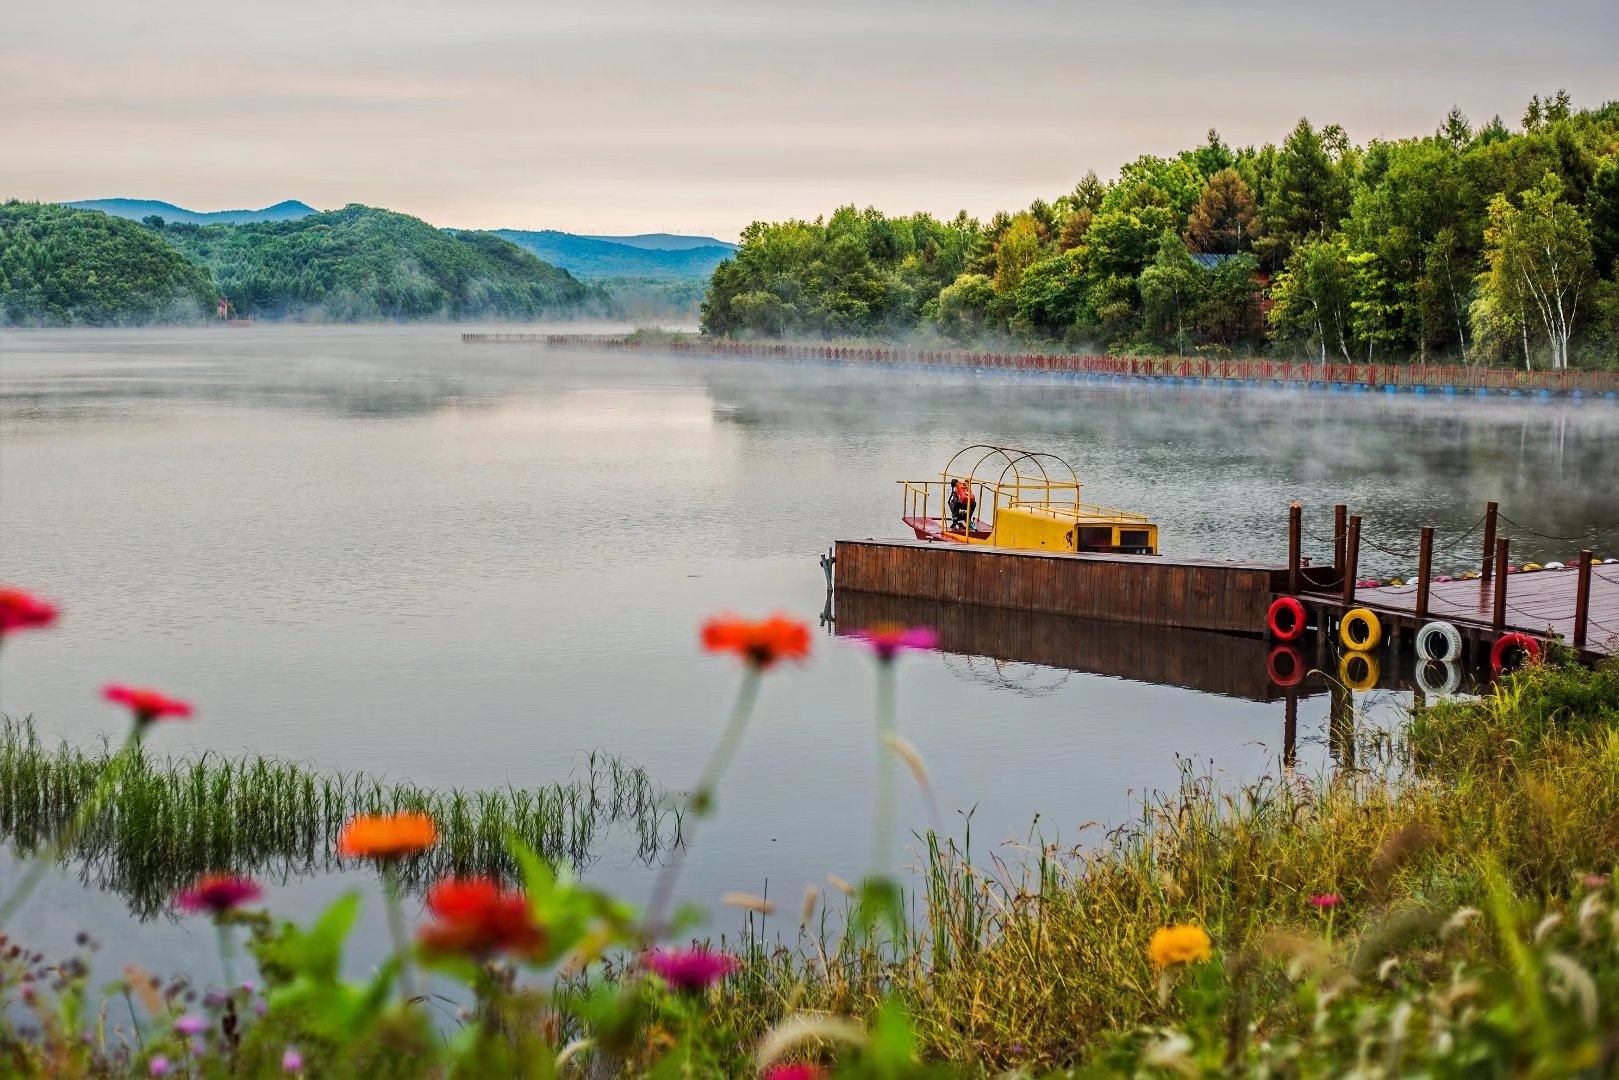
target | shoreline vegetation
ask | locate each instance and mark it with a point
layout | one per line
(1475, 244)
(1446, 908)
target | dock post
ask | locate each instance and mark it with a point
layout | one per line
(1351, 560)
(1582, 600)
(1424, 569)
(1340, 519)
(1498, 621)
(1490, 511)
(1295, 541)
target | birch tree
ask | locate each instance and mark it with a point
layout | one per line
(1540, 258)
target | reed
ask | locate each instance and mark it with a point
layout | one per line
(173, 819)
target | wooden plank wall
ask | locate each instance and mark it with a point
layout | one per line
(1193, 594)
(1196, 659)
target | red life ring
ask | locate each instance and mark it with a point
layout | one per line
(1285, 618)
(1528, 646)
(1284, 666)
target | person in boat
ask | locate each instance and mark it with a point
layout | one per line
(961, 504)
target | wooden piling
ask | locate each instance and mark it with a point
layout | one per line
(1424, 570)
(1340, 520)
(1351, 560)
(1490, 512)
(1582, 600)
(1498, 619)
(1295, 543)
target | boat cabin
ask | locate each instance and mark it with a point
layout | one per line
(1000, 496)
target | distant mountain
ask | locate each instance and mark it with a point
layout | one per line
(65, 267)
(599, 257)
(139, 209)
(361, 264)
(662, 241)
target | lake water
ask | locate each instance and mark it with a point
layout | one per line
(382, 549)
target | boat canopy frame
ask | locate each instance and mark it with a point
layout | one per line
(1003, 477)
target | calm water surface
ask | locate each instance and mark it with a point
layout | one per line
(381, 549)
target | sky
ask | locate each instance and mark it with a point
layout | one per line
(699, 116)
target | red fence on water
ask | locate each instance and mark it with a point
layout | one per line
(1163, 367)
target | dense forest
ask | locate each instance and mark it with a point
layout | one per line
(60, 266)
(360, 264)
(1481, 244)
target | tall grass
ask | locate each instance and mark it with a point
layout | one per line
(1037, 958)
(172, 819)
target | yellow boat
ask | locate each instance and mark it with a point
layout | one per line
(1019, 499)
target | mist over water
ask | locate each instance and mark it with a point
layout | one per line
(382, 549)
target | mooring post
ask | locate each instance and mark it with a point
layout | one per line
(1424, 568)
(1295, 541)
(1499, 621)
(1490, 511)
(1582, 600)
(1351, 560)
(1340, 519)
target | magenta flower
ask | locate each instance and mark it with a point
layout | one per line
(190, 1025)
(798, 1070)
(292, 1061)
(219, 893)
(690, 970)
(1323, 901)
(158, 1066)
(24, 611)
(886, 640)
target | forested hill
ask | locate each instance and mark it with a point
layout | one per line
(139, 209)
(605, 256)
(60, 266)
(1484, 244)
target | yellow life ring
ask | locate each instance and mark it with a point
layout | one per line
(1359, 670)
(1360, 630)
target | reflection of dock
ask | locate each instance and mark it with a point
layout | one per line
(1200, 660)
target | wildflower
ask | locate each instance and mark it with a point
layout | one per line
(1595, 881)
(798, 1070)
(1173, 945)
(1325, 901)
(158, 1066)
(24, 611)
(219, 893)
(690, 970)
(887, 639)
(386, 836)
(475, 916)
(761, 644)
(190, 1025)
(291, 1060)
(147, 705)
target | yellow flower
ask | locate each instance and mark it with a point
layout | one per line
(1172, 945)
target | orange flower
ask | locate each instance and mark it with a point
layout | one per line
(386, 836)
(477, 917)
(1172, 946)
(761, 644)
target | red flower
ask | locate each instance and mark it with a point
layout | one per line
(147, 705)
(798, 1070)
(219, 893)
(691, 970)
(887, 639)
(761, 644)
(24, 611)
(1326, 900)
(476, 917)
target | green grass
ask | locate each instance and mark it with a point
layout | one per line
(172, 819)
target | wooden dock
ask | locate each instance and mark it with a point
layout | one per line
(1193, 594)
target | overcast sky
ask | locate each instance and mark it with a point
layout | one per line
(620, 116)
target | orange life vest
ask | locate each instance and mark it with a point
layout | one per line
(963, 493)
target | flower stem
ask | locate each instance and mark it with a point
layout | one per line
(882, 846)
(44, 859)
(226, 951)
(396, 927)
(702, 799)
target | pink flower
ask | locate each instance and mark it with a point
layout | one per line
(292, 1061)
(798, 1070)
(147, 705)
(190, 1025)
(219, 893)
(690, 970)
(158, 1066)
(23, 611)
(887, 639)
(1323, 901)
